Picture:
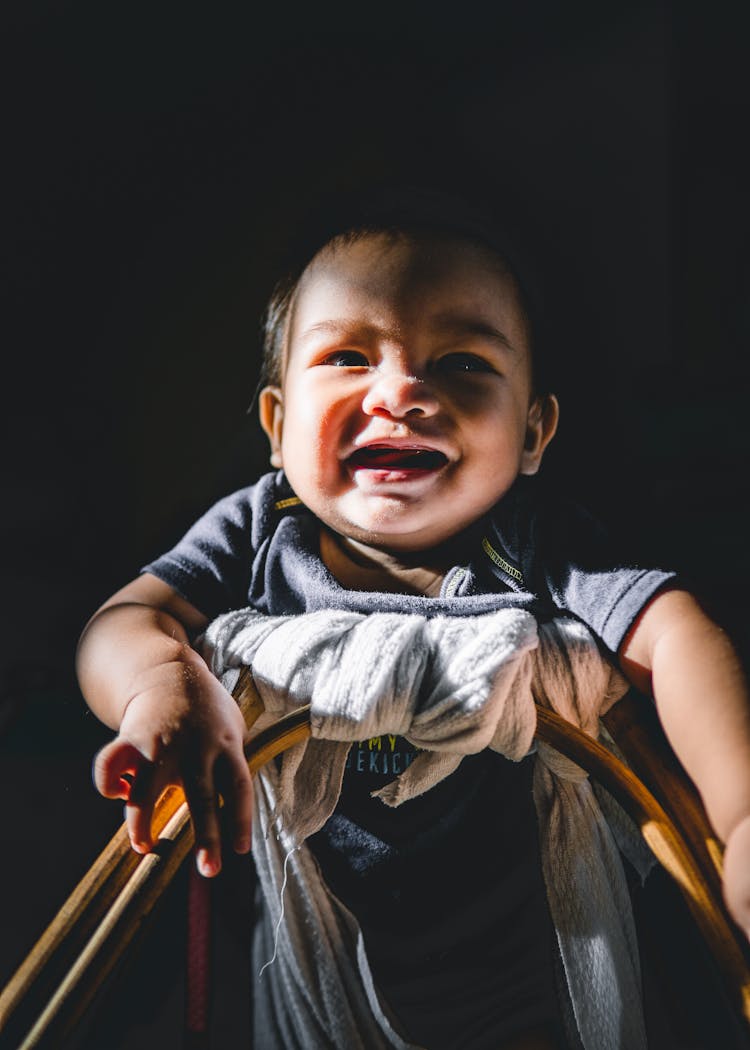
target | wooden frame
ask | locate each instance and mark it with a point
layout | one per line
(62, 975)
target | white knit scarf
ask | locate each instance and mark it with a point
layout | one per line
(452, 686)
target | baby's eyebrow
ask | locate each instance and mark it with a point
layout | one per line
(461, 326)
(359, 329)
(454, 325)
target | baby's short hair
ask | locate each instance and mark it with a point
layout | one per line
(402, 211)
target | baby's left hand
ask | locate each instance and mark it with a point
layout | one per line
(737, 874)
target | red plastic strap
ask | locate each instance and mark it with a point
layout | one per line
(198, 966)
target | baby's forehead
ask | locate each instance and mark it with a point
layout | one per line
(417, 256)
(416, 279)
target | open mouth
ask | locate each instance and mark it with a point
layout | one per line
(386, 457)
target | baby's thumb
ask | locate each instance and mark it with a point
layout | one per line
(115, 767)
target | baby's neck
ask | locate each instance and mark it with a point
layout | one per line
(361, 568)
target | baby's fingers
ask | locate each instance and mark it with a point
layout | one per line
(115, 768)
(237, 787)
(145, 791)
(737, 874)
(122, 771)
(203, 801)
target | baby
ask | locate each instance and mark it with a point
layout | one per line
(407, 414)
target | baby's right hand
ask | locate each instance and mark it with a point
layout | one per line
(180, 727)
(736, 877)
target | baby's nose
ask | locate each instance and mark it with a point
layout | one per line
(397, 393)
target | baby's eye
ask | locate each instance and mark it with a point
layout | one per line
(462, 362)
(346, 359)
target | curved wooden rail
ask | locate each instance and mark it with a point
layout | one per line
(61, 976)
(71, 961)
(670, 846)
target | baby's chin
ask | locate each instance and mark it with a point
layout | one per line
(388, 525)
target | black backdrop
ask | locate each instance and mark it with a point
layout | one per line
(158, 157)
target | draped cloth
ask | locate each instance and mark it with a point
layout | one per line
(452, 686)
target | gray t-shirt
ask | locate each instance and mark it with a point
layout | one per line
(260, 547)
(455, 919)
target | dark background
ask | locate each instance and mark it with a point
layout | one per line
(158, 158)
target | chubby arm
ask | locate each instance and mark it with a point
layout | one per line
(176, 723)
(687, 662)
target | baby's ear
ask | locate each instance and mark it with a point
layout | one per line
(541, 425)
(271, 409)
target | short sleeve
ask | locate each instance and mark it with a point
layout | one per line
(211, 565)
(589, 574)
(562, 554)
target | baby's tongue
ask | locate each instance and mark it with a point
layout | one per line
(385, 458)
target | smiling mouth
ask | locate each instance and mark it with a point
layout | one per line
(386, 457)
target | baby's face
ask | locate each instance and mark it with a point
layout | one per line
(406, 410)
